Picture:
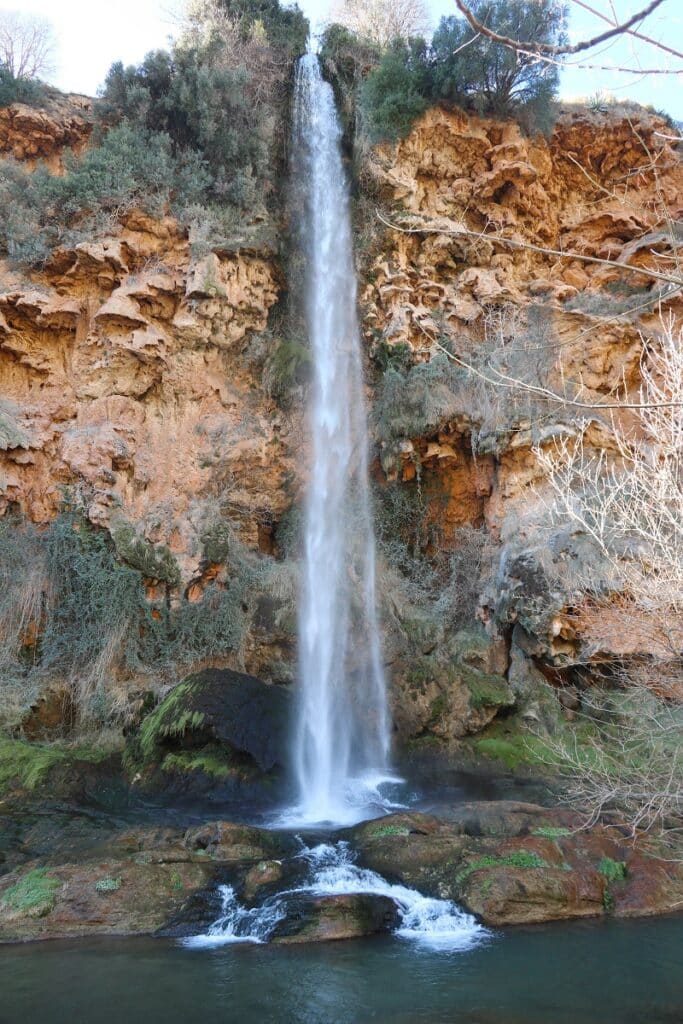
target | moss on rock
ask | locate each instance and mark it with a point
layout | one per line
(153, 561)
(28, 766)
(32, 896)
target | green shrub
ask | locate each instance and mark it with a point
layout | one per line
(491, 79)
(70, 609)
(203, 109)
(420, 401)
(21, 90)
(395, 92)
(285, 26)
(127, 167)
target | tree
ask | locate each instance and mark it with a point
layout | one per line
(472, 71)
(26, 45)
(382, 21)
(630, 505)
(394, 93)
(518, 40)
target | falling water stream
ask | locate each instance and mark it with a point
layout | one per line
(341, 739)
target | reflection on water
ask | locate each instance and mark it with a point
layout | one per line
(606, 972)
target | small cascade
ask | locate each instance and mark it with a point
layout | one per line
(430, 922)
(341, 741)
(331, 871)
(237, 924)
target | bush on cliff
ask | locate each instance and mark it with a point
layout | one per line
(394, 95)
(481, 75)
(198, 132)
(469, 70)
(20, 90)
(130, 167)
(72, 611)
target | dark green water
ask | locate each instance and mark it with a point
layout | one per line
(607, 972)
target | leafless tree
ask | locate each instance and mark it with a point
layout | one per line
(630, 761)
(380, 21)
(630, 503)
(26, 44)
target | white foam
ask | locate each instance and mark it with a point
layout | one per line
(433, 923)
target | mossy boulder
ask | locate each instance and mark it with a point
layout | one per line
(218, 730)
(31, 771)
(454, 689)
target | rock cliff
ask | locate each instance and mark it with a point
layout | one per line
(132, 375)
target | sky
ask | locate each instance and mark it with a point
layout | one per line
(92, 34)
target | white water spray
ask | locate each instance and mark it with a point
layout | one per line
(341, 741)
(433, 923)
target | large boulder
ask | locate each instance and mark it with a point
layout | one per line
(219, 732)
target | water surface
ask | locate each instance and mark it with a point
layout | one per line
(603, 972)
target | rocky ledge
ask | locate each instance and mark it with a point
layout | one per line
(518, 863)
(507, 862)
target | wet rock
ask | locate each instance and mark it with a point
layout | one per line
(226, 841)
(515, 863)
(324, 918)
(103, 898)
(265, 873)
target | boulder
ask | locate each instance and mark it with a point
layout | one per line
(219, 732)
(347, 916)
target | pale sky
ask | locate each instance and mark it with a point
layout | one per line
(92, 34)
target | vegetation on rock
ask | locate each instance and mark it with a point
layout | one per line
(33, 895)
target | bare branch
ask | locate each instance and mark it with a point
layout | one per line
(426, 229)
(529, 46)
(26, 44)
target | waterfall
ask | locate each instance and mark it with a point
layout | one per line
(341, 740)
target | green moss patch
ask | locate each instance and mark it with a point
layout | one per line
(108, 885)
(551, 831)
(33, 894)
(212, 760)
(612, 870)
(487, 690)
(517, 859)
(388, 830)
(28, 765)
(172, 718)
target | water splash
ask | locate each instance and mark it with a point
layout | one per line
(426, 921)
(236, 923)
(341, 741)
(431, 923)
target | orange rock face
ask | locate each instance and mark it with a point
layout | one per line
(124, 376)
(31, 134)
